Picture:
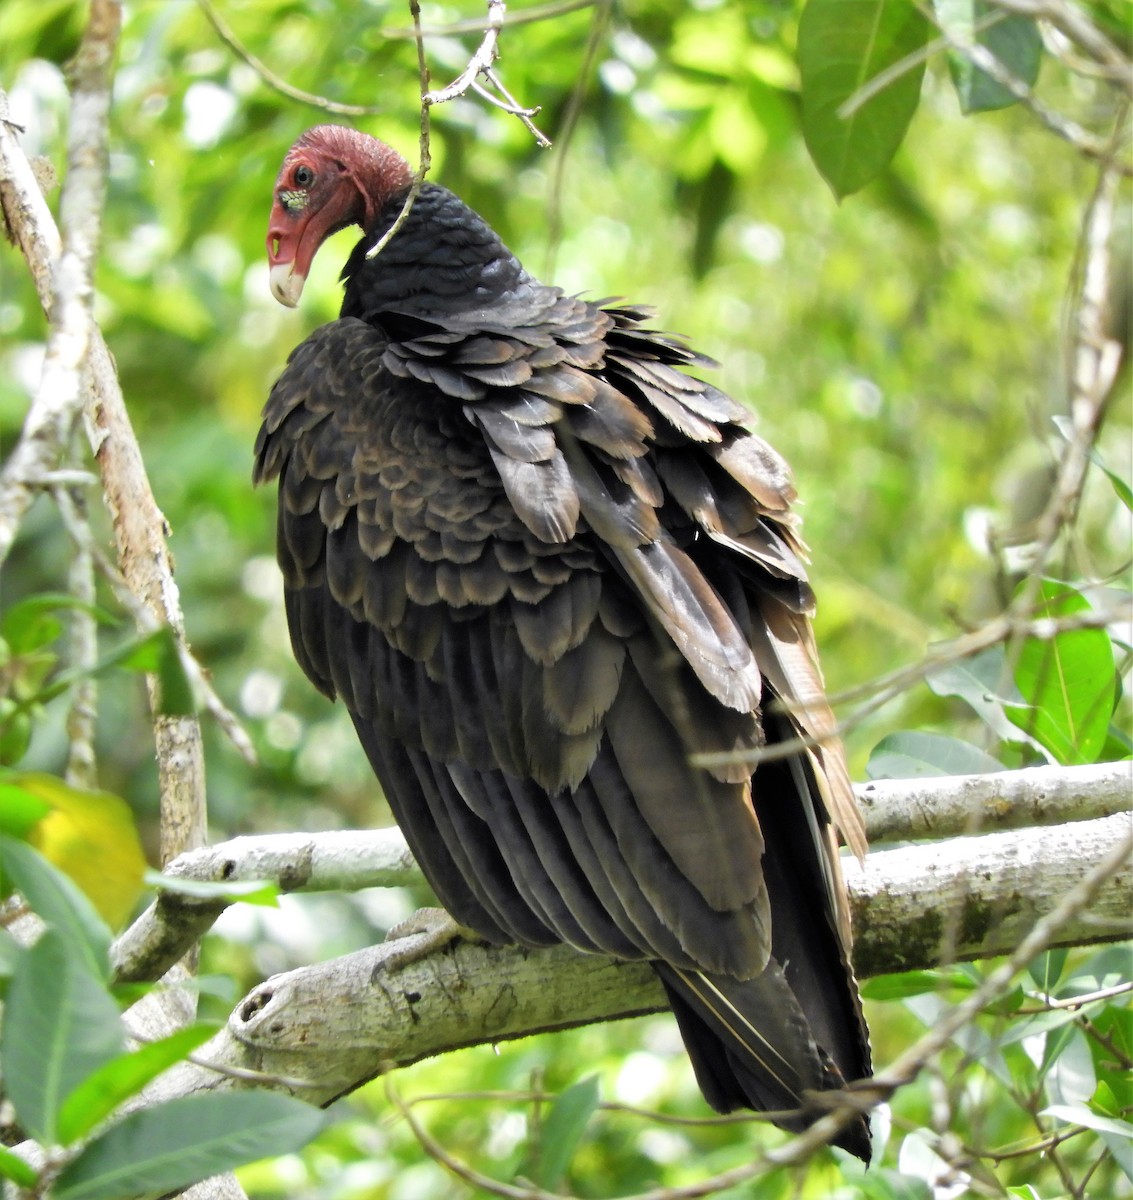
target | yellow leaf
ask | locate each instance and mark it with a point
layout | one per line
(91, 837)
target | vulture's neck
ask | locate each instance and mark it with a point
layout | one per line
(444, 259)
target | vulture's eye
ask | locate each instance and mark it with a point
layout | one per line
(304, 177)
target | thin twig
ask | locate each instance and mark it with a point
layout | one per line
(494, 1187)
(272, 80)
(537, 1095)
(594, 38)
(424, 159)
(509, 104)
(529, 16)
(512, 107)
(486, 54)
(1072, 1002)
(82, 769)
(481, 64)
(1077, 28)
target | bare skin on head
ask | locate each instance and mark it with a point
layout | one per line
(332, 177)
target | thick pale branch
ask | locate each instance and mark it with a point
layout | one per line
(322, 1030)
(905, 809)
(293, 861)
(945, 806)
(976, 897)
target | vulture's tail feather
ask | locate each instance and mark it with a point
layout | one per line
(751, 1047)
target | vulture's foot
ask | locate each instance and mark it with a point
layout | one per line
(426, 931)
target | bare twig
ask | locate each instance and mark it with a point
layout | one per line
(486, 54)
(528, 16)
(511, 107)
(272, 80)
(509, 104)
(1101, 996)
(481, 64)
(81, 765)
(1075, 25)
(424, 159)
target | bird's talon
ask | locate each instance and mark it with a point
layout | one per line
(431, 930)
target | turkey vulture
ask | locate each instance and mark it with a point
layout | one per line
(557, 582)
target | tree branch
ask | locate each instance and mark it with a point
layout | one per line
(947, 806)
(327, 1028)
(140, 527)
(57, 402)
(902, 809)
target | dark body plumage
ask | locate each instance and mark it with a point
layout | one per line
(544, 569)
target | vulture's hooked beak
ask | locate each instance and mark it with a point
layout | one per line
(290, 251)
(286, 285)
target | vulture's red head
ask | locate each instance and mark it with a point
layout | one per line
(332, 177)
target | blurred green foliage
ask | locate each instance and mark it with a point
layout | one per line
(906, 350)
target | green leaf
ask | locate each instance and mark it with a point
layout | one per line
(843, 44)
(984, 682)
(1046, 970)
(60, 1025)
(1013, 40)
(1070, 1077)
(247, 891)
(19, 809)
(1124, 492)
(32, 624)
(171, 1146)
(13, 1167)
(911, 754)
(562, 1131)
(116, 1081)
(157, 654)
(59, 902)
(15, 731)
(914, 983)
(1104, 1101)
(1068, 682)
(1079, 1114)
